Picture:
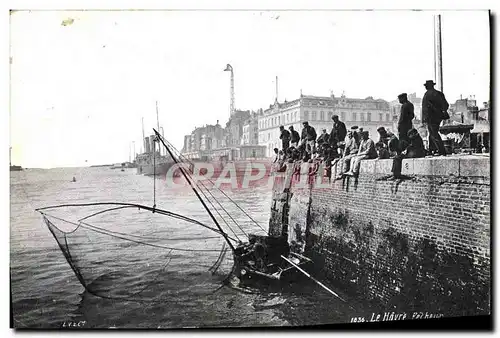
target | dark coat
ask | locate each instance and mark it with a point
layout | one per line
(433, 105)
(285, 135)
(309, 133)
(295, 136)
(323, 138)
(338, 132)
(406, 116)
(416, 148)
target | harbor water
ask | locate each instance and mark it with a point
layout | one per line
(47, 294)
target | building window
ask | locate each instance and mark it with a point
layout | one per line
(268, 136)
(322, 115)
(313, 117)
(354, 116)
(368, 116)
(295, 116)
(387, 117)
(342, 116)
(306, 115)
(361, 116)
(381, 116)
(279, 119)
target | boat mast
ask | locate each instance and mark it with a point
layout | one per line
(195, 191)
(143, 137)
(158, 126)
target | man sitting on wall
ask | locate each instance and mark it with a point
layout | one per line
(323, 138)
(350, 151)
(416, 148)
(390, 140)
(382, 151)
(366, 152)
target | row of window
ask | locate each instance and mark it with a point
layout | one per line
(277, 121)
(323, 116)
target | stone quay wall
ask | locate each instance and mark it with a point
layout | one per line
(416, 244)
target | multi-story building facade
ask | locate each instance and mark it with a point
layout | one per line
(367, 113)
(234, 127)
(251, 129)
(236, 141)
(203, 139)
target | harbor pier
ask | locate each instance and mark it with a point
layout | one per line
(415, 245)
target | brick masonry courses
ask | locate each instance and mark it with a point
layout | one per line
(417, 244)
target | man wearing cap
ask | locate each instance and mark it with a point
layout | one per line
(285, 138)
(308, 137)
(323, 138)
(434, 110)
(294, 137)
(350, 151)
(390, 140)
(366, 151)
(338, 132)
(405, 117)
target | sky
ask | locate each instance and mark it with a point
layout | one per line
(79, 90)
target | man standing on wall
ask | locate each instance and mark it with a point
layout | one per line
(309, 138)
(285, 138)
(405, 117)
(434, 110)
(294, 137)
(339, 131)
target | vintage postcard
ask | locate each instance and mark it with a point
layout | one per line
(251, 168)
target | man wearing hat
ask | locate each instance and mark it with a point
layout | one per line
(434, 110)
(405, 117)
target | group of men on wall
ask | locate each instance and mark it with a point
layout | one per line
(347, 149)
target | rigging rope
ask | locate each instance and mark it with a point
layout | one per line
(186, 160)
(154, 174)
(131, 205)
(222, 207)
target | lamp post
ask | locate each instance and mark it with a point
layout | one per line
(229, 68)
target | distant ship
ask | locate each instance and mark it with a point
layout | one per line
(16, 168)
(152, 163)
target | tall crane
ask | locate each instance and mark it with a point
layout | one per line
(229, 68)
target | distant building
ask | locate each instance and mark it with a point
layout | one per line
(214, 143)
(234, 127)
(203, 139)
(251, 129)
(367, 113)
(465, 111)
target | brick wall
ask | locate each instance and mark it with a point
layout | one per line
(421, 243)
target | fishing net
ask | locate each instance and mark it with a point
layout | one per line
(128, 251)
